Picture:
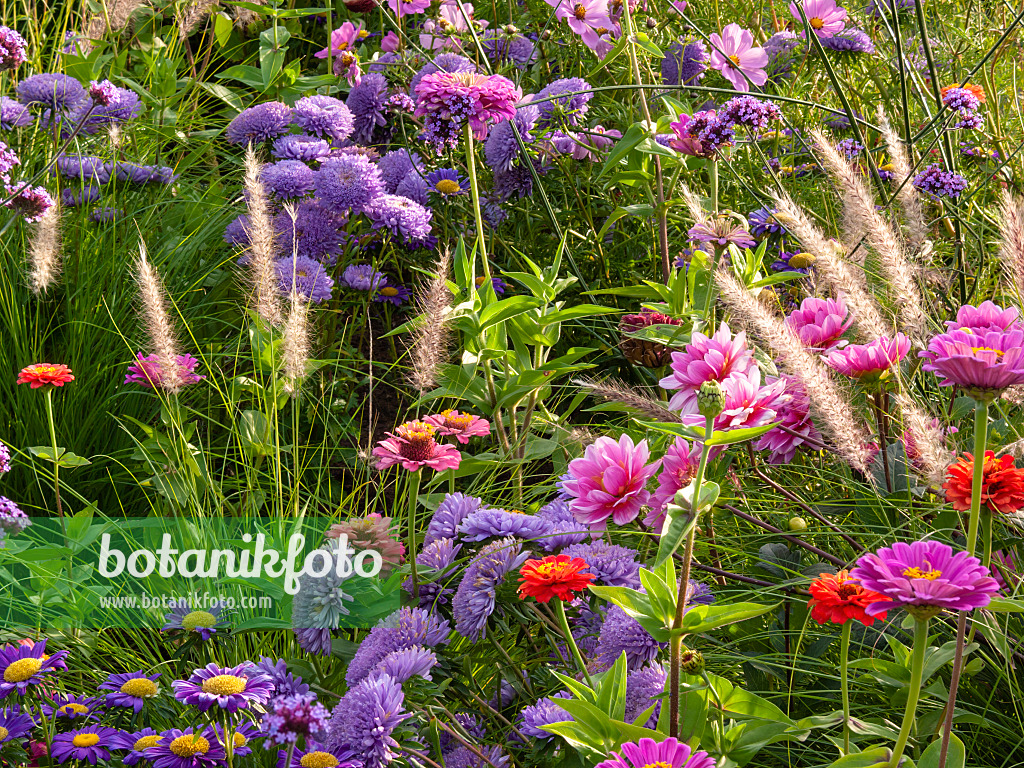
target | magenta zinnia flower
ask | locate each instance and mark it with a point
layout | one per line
(869, 362)
(734, 55)
(820, 322)
(230, 688)
(609, 481)
(794, 415)
(146, 371)
(926, 577)
(716, 358)
(648, 753)
(477, 99)
(982, 362)
(678, 467)
(413, 446)
(461, 425)
(747, 404)
(984, 317)
(824, 16)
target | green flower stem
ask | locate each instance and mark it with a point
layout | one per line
(563, 622)
(916, 673)
(844, 681)
(980, 440)
(474, 190)
(56, 461)
(714, 184)
(676, 642)
(414, 492)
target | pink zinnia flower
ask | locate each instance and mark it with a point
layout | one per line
(462, 425)
(684, 141)
(795, 416)
(824, 16)
(371, 532)
(984, 317)
(489, 98)
(869, 362)
(982, 362)
(678, 468)
(734, 55)
(609, 481)
(648, 753)
(820, 322)
(413, 446)
(343, 38)
(146, 371)
(716, 358)
(747, 404)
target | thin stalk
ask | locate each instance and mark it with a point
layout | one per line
(876, 404)
(56, 461)
(987, 520)
(844, 682)
(916, 673)
(474, 189)
(563, 622)
(414, 491)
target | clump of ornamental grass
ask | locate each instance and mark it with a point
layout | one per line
(159, 327)
(44, 251)
(262, 243)
(430, 337)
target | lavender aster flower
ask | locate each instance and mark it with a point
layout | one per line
(87, 167)
(365, 719)
(614, 566)
(850, 40)
(643, 687)
(299, 147)
(51, 90)
(453, 509)
(565, 529)
(362, 277)
(447, 182)
(287, 179)
(395, 166)
(489, 523)
(622, 633)
(396, 295)
(474, 600)
(935, 181)
(565, 100)
(130, 689)
(72, 198)
(348, 182)
(414, 187)
(925, 577)
(416, 626)
(230, 688)
(783, 49)
(437, 567)
(292, 716)
(13, 114)
(471, 724)
(401, 216)
(406, 663)
(106, 214)
(367, 102)
(508, 46)
(324, 116)
(501, 149)
(313, 640)
(544, 712)
(316, 232)
(306, 276)
(259, 123)
(145, 174)
(285, 683)
(5, 459)
(685, 63)
(12, 49)
(763, 222)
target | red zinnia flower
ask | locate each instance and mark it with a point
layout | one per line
(554, 576)
(41, 374)
(1002, 485)
(837, 598)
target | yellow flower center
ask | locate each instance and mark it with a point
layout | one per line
(454, 420)
(801, 260)
(448, 187)
(74, 707)
(318, 760)
(547, 569)
(817, 23)
(659, 764)
(579, 11)
(21, 670)
(362, 34)
(389, 290)
(196, 619)
(224, 685)
(998, 352)
(4, 733)
(189, 745)
(735, 60)
(917, 573)
(146, 742)
(139, 687)
(417, 431)
(239, 740)
(86, 740)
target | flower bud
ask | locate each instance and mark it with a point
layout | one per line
(710, 399)
(691, 661)
(545, 35)
(651, 23)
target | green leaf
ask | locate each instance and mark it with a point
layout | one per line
(667, 428)
(645, 42)
(678, 524)
(704, 618)
(873, 757)
(640, 209)
(733, 436)
(956, 755)
(637, 132)
(576, 312)
(506, 308)
(222, 28)
(1005, 605)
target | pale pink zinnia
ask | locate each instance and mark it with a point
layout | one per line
(488, 98)
(825, 17)
(734, 54)
(461, 425)
(820, 322)
(747, 404)
(678, 468)
(705, 359)
(371, 532)
(609, 481)
(869, 362)
(413, 446)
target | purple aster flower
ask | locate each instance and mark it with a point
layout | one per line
(925, 577)
(443, 62)
(367, 102)
(15, 724)
(230, 688)
(504, 46)
(241, 734)
(669, 753)
(614, 566)
(565, 529)
(982, 362)
(107, 214)
(25, 665)
(313, 640)
(205, 623)
(381, 641)
(88, 745)
(453, 509)
(287, 179)
(89, 117)
(51, 90)
(12, 519)
(401, 216)
(820, 323)
(362, 277)
(406, 663)
(783, 49)
(437, 567)
(71, 707)
(463, 757)
(643, 688)
(417, 626)
(763, 222)
(794, 415)
(621, 633)
(146, 371)
(396, 295)
(13, 49)
(317, 754)
(145, 174)
(348, 182)
(868, 362)
(563, 101)
(237, 231)
(414, 187)
(130, 689)
(135, 743)
(365, 719)
(501, 150)
(28, 202)
(447, 182)
(13, 114)
(751, 112)
(488, 523)
(5, 459)
(315, 233)
(474, 600)
(291, 716)
(285, 683)
(72, 198)
(935, 181)
(395, 166)
(471, 724)
(685, 63)
(259, 123)
(86, 167)
(324, 116)
(544, 712)
(189, 748)
(721, 231)
(300, 147)
(850, 40)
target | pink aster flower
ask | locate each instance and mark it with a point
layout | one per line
(825, 17)
(794, 415)
(984, 317)
(343, 38)
(722, 231)
(734, 54)
(869, 362)
(462, 425)
(678, 468)
(648, 753)
(413, 446)
(408, 7)
(146, 371)
(982, 362)
(747, 404)
(705, 359)
(486, 98)
(609, 481)
(926, 577)
(820, 322)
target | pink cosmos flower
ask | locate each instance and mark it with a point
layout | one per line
(390, 43)
(734, 55)
(868, 362)
(684, 141)
(679, 5)
(343, 38)
(462, 425)
(408, 7)
(609, 482)
(346, 64)
(984, 317)
(451, 20)
(601, 40)
(795, 416)
(717, 358)
(678, 468)
(747, 404)
(820, 322)
(413, 446)
(825, 17)
(582, 15)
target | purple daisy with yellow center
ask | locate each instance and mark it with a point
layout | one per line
(230, 688)
(136, 744)
(447, 182)
(89, 745)
(71, 707)
(14, 724)
(25, 665)
(203, 622)
(130, 689)
(317, 755)
(393, 294)
(186, 749)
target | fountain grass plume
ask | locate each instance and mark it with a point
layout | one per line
(1011, 236)
(907, 195)
(262, 243)
(44, 251)
(862, 218)
(832, 410)
(833, 268)
(616, 391)
(192, 14)
(159, 327)
(114, 17)
(430, 336)
(932, 455)
(295, 343)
